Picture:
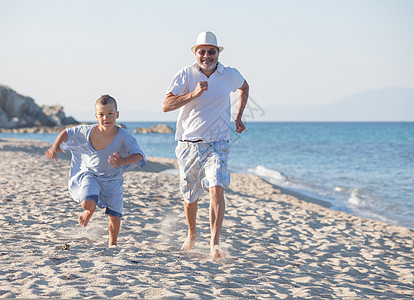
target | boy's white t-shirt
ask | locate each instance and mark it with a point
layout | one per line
(87, 160)
(207, 117)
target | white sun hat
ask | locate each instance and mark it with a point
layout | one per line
(206, 38)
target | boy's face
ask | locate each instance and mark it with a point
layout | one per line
(106, 115)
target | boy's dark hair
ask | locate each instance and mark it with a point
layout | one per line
(106, 99)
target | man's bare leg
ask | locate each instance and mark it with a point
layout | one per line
(190, 210)
(89, 207)
(217, 208)
(114, 225)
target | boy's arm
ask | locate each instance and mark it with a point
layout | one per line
(52, 152)
(117, 160)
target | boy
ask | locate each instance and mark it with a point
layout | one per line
(100, 153)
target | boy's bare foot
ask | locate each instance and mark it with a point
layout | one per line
(85, 217)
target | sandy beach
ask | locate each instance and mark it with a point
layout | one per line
(277, 246)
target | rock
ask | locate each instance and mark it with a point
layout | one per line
(17, 111)
(57, 115)
(160, 128)
(65, 247)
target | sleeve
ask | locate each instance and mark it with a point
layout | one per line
(179, 84)
(77, 138)
(131, 147)
(238, 79)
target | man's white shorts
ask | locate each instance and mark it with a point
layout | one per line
(202, 166)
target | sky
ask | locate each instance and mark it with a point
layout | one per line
(295, 52)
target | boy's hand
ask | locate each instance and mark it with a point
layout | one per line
(116, 160)
(52, 152)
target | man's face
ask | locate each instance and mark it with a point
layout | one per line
(207, 57)
(106, 115)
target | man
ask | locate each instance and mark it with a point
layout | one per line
(202, 93)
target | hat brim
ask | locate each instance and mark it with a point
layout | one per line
(194, 48)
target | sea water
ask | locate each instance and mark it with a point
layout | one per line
(363, 168)
(366, 169)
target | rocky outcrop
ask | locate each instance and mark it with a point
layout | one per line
(17, 111)
(57, 115)
(160, 128)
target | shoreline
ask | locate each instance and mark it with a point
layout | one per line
(172, 163)
(276, 245)
(302, 196)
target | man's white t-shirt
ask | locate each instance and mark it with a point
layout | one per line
(207, 117)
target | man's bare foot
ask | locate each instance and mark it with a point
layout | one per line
(189, 243)
(85, 217)
(216, 252)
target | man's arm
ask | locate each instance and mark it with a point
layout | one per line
(52, 152)
(241, 104)
(173, 102)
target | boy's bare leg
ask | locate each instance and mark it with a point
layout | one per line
(190, 210)
(217, 208)
(89, 207)
(114, 225)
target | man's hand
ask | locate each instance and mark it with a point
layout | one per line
(241, 104)
(239, 126)
(201, 87)
(173, 102)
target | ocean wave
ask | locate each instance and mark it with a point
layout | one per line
(268, 173)
(368, 206)
(339, 189)
(363, 199)
(355, 198)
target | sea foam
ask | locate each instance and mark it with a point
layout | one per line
(355, 199)
(268, 173)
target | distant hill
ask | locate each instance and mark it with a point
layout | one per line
(389, 104)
